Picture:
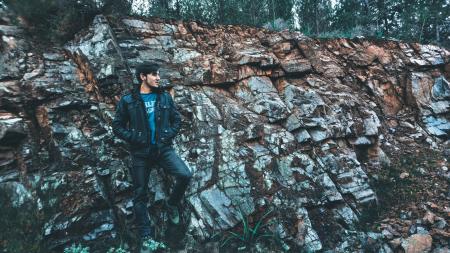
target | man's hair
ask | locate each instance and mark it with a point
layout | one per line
(146, 68)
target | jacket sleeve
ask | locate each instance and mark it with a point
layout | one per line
(120, 122)
(175, 118)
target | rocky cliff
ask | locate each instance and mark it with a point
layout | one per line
(274, 124)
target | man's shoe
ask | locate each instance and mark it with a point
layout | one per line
(149, 245)
(144, 242)
(172, 211)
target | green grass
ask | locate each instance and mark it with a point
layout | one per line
(249, 235)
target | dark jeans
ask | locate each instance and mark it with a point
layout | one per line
(172, 164)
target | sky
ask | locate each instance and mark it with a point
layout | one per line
(139, 5)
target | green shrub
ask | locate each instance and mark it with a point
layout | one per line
(57, 21)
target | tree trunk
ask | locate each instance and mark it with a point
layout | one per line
(220, 11)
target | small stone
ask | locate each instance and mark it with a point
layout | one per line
(404, 215)
(261, 202)
(421, 230)
(432, 205)
(32, 74)
(418, 243)
(441, 250)
(395, 243)
(421, 171)
(404, 175)
(440, 223)
(429, 218)
(387, 234)
(406, 124)
(440, 232)
(385, 249)
(318, 135)
(412, 229)
(302, 136)
(53, 57)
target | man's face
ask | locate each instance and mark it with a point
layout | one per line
(151, 80)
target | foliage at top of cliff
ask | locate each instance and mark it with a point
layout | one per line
(56, 21)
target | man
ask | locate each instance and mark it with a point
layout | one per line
(148, 120)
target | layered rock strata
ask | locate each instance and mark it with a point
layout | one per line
(271, 120)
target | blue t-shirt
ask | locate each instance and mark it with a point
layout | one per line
(150, 103)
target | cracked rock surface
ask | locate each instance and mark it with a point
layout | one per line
(270, 120)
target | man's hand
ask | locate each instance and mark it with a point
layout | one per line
(137, 138)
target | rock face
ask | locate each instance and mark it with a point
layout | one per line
(270, 121)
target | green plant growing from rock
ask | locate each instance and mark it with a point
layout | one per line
(154, 245)
(76, 249)
(117, 250)
(249, 235)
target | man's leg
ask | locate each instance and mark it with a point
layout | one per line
(173, 165)
(140, 174)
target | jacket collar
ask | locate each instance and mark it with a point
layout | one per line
(135, 92)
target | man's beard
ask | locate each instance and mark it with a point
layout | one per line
(153, 88)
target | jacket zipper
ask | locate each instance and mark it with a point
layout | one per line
(157, 118)
(147, 124)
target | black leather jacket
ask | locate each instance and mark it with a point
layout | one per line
(131, 121)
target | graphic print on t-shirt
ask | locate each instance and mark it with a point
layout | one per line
(150, 106)
(150, 102)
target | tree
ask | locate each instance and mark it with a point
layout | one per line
(57, 21)
(425, 21)
(314, 16)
